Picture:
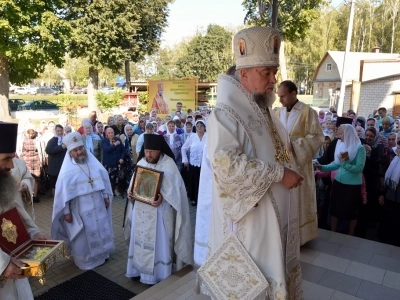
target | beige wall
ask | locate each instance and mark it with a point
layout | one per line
(324, 74)
(374, 94)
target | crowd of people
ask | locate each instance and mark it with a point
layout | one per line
(268, 179)
(359, 190)
(116, 144)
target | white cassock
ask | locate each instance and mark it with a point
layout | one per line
(203, 213)
(306, 137)
(17, 289)
(159, 233)
(74, 194)
(248, 196)
(21, 174)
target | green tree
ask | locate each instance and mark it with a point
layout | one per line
(108, 102)
(207, 55)
(291, 17)
(107, 33)
(32, 34)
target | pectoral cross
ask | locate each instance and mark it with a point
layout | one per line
(90, 181)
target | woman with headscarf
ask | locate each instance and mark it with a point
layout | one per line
(360, 131)
(389, 228)
(81, 130)
(99, 130)
(55, 150)
(30, 155)
(194, 144)
(349, 160)
(92, 141)
(129, 139)
(175, 142)
(67, 129)
(392, 142)
(387, 126)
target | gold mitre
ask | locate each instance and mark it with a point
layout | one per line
(257, 47)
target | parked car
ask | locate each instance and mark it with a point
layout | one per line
(14, 103)
(107, 90)
(79, 90)
(47, 91)
(38, 105)
(21, 91)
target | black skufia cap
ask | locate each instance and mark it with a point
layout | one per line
(155, 142)
(343, 120)
(8, 137)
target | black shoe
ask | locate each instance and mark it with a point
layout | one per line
(137, 278)
(36, 200)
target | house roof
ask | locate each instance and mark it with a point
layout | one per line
(353, 61)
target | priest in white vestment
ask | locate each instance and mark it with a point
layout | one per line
(254, 187)
(13, 285)
(162, 230)
(306, 137)
(82, 206)
(24, 180)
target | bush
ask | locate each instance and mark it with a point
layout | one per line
(108, 102)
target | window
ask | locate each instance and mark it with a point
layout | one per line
(329, 67)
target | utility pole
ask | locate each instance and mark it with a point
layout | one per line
(347, 50)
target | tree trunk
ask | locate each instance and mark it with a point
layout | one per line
(4, 89)
(93, 86)
(282, 61)
(393, 29)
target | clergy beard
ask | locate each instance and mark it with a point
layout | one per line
(8, 189)
(81, 159)
(264, 100)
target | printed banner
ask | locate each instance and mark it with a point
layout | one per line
(165, 94)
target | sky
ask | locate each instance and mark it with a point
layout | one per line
(187, 16)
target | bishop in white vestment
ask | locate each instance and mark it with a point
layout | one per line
(306, 137)
(82, 206)
(161, 230)
(254, 187)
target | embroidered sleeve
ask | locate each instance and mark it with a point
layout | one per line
(241, 181)
(306, 145)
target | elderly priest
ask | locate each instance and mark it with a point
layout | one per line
(13, 285)
(82, 206)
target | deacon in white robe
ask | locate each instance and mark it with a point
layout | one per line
(24, 180)
(203, 213)
(254, 187)
(306, 137)
(161, 230)
(13, 286)
(82, 206)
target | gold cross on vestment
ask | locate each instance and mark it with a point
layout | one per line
(90, 181)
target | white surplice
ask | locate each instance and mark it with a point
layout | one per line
(16, 289)
(247, 189)
(203, 213)
(74, 194)
(306, 137)
(159, 233)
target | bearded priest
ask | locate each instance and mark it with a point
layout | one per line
(82, 206)
(254, 187)
(160, 230)
(13, 285)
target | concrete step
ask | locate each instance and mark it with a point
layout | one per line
(167, 286)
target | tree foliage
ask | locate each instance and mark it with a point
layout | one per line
(109, 32)
(107, 102)
(207, 55)
(294, 16)
(32, 35)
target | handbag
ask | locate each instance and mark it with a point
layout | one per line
(230, 273)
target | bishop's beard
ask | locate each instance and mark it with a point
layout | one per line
(264, 100)
(8, 190)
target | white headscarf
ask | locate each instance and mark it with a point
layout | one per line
(350, 144)
(90, 137)
(392, 174)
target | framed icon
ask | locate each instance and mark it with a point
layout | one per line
(242, 47)
(146, 184)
